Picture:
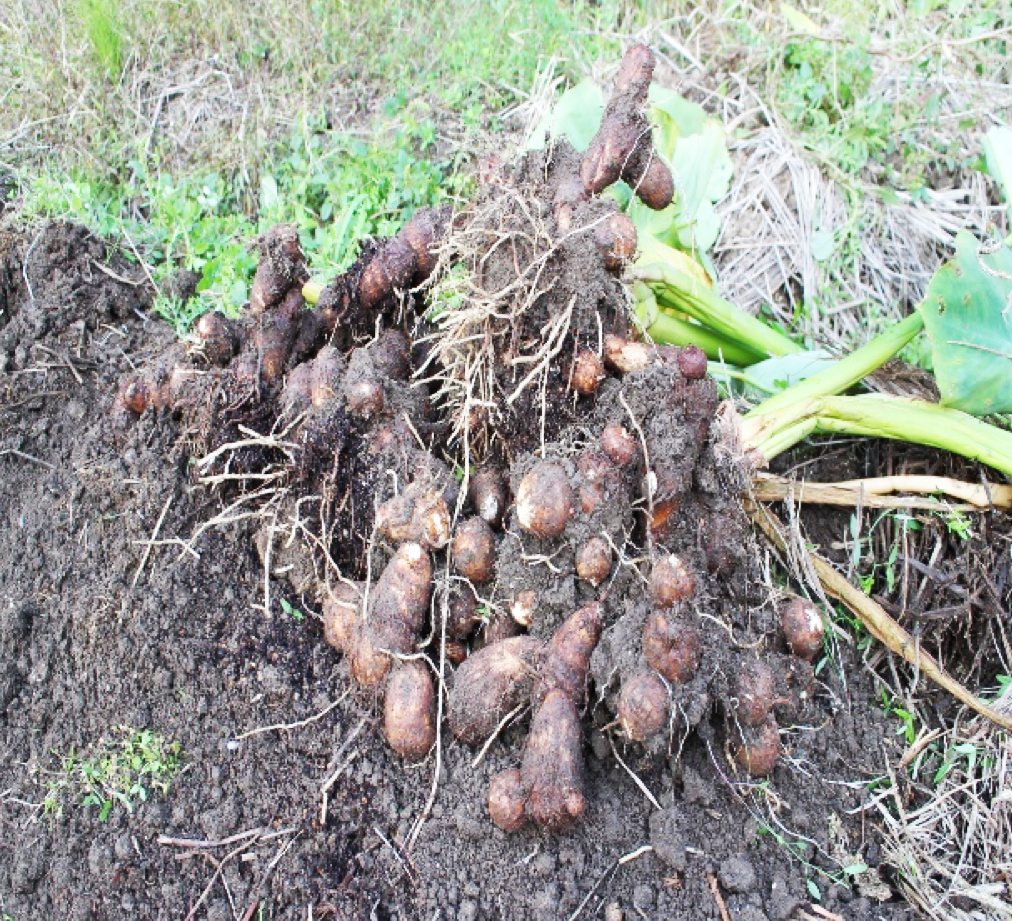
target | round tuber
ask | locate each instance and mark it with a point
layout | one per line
(802, 627)
(758, 748)
(490, 684)
(643, 706)
(587, 373)
(487, 492)
(692, 362)
(507, 806)
(671, 581)
(545, 500)
(753, 693)
(474, 550)
(616, 239)
(618, 444)
(593, 561)
(671, 647)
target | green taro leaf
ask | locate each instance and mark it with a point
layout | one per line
(576, 117)
(967, 313)
(998, 153)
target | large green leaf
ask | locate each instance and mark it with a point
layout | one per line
(576, 117)
(695, 147)
(998, 154)
(967, 312)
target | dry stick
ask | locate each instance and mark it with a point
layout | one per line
(298, 725)
(440, 704)
(154, 535)
(873, 492)
(711, 881)
(200, 843)
(495, 733)
(877, 621)
(27, 457)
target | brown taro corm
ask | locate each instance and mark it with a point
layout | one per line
(643, 706)
(545, 500)
(756, 748)
(409, 711)
(552, 766)
(623, 146)
(398, 604)
(474, 550)
(802, 627)
(490, 684)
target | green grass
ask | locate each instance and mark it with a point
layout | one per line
(100, 21)
(126, 772)
(190, 127)
(431, 76)
(335, 188)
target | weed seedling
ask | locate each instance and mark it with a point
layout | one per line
(126, 771)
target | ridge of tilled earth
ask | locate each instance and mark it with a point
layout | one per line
(187, 653)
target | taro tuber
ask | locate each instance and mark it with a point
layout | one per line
(623, 146)
(593, 561)
(567, 656)
(419, 514)
(643, 706)
(398, 604)
(474, 550)
(671, 581)
(802, 627)
(490, 684)
(587, 373)
(409, 711)
(757, 748)
(487, 493)
(507, 805)
(552, 768)
(753, 693)
(545, 500)
(671, 646)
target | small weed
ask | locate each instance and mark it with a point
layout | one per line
(293, 612)
(126, 771)
(908, 723)
(179, 314)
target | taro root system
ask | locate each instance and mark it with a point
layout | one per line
(506, 505)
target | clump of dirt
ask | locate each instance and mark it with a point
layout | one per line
(172, 573)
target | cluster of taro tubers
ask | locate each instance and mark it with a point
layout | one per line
(568, 576)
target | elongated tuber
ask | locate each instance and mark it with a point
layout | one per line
(567, 656)
(409, 711)
(552, 768)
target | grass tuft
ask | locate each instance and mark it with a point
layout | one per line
(100, 20)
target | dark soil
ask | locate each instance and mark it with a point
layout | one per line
(95, 636)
